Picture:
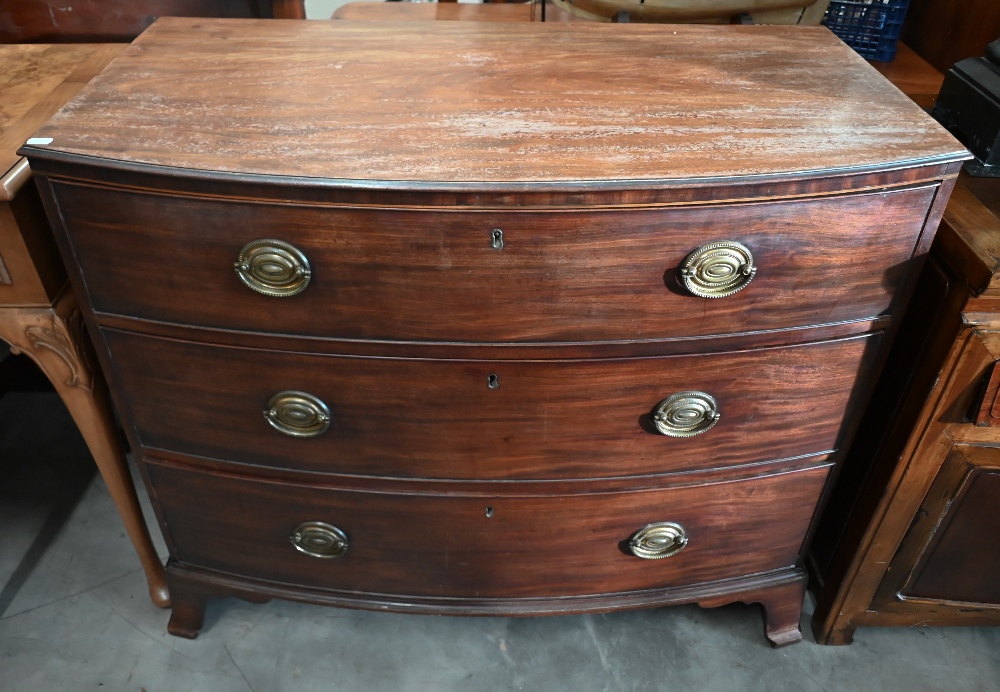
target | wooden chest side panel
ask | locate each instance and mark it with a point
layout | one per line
(445, 545)
(441, 419)
(430, 275)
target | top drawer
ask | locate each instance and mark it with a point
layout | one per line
(442, 275)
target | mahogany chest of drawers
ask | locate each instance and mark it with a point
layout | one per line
(491, 319)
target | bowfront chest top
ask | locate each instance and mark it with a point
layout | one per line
(491, 318)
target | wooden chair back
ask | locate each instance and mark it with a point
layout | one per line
(700, 11)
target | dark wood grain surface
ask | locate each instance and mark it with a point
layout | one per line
(561, 276)
(504, 103)
(946, 31)
(445, 545)
(439, 419)
(81, 21)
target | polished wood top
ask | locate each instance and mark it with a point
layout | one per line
(458, 103)
(36, 80)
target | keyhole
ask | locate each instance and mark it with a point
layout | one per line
(489, 512)
(497, 242)
(493, 382)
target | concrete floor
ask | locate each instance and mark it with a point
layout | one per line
(74, 615)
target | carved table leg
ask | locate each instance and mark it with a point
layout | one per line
(58, 345)
(782, 607)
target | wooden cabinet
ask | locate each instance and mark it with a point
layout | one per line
(911, 534)
(468, 335)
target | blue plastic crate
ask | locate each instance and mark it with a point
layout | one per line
(871, 28)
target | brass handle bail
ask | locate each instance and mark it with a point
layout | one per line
(659, 540)
(717, 270)
(686, 414)
(273, 267)
(319, 539)
(298, 414)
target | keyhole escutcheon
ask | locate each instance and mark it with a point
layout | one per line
(496, 239)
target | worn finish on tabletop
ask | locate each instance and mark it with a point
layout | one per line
(504, 103)
(493, 399)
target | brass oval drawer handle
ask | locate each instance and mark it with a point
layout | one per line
(298, 414)
(717, 270)
(273, 267)
(659, 540)
(686, 414)
(318, 539)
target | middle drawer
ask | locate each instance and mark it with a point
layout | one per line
(487, 420)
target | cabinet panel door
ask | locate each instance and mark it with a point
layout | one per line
(958, 531)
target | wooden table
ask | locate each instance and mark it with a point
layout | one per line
(38, 313)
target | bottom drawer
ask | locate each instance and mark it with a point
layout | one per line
(505, 546)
